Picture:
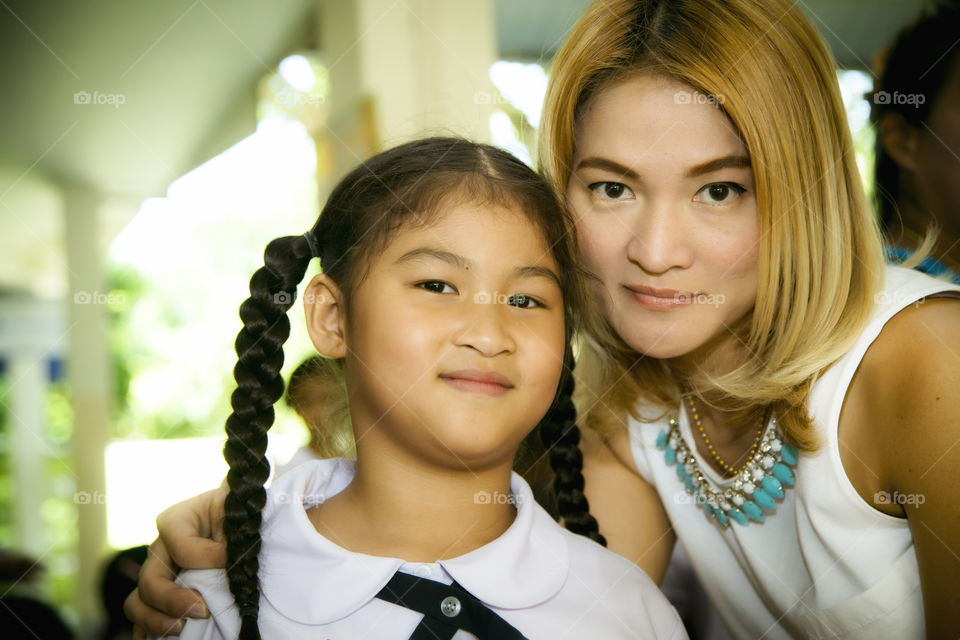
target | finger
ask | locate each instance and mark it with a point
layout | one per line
(196, 552)
(157, 590)
(148, 620)
(191, 531)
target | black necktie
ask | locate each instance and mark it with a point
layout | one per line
(445, 608)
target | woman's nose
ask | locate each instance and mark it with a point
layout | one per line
(660, 241)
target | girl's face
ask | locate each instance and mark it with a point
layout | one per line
(456, 338)
(662, 192)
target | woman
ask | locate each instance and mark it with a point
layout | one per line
(752, 332)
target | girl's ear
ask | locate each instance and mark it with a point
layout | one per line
(323, 308)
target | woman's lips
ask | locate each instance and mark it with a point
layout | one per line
(660, 299)
(488, 383)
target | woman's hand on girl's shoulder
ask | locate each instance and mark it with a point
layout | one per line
(914, 384)
(191, 537)
(628, 510)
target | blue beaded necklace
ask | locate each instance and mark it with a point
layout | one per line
(759, 484)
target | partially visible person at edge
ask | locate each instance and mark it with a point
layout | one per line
(765, 389)
(916, 114)
(316, 392)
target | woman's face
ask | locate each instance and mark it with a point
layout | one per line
(662, 192)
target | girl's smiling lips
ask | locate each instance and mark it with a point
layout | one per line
(478, 381)
(659, 299)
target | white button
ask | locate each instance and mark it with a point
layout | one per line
(450, 606)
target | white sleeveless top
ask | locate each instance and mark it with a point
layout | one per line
(825, 564)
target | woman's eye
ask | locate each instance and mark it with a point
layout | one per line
(523, 302)
(611, 190)
(436, 286)
(720, 192)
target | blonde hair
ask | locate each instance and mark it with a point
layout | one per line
(820, 260)
(318, 393)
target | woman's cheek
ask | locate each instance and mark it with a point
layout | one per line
(592, 243)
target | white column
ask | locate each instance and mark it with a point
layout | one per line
(88, 374)
(29, 450)
(405, 68)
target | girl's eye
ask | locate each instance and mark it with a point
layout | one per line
(523, 302)
(436, 286)
(611, 190)
(720, 193)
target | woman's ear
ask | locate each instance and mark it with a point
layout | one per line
(899, 139)
(323, 308)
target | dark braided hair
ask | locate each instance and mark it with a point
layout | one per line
(404, 186)
(259, 345)
(561, 437)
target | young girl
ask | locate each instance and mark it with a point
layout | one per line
(448, 294)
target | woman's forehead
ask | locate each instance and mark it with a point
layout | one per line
(647, 119)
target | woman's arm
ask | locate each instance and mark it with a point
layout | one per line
(915, 377)
(191, 537)
(626, 507)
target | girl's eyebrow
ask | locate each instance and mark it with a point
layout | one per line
(439, 254)
(458, 261)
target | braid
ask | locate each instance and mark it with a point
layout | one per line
(259, 345)
(561, 437)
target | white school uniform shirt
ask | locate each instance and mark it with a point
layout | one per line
(547, 582)
(825, 564)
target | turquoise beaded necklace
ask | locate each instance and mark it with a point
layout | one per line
(758, 486)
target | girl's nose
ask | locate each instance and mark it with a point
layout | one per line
(486, 329)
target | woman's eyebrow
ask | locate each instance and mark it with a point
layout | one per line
(726, 162)
(607, 165)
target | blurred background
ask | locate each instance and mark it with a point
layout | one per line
(149, 151)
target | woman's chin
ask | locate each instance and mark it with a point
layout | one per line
(662, 345)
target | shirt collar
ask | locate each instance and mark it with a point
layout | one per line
(308, 578)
